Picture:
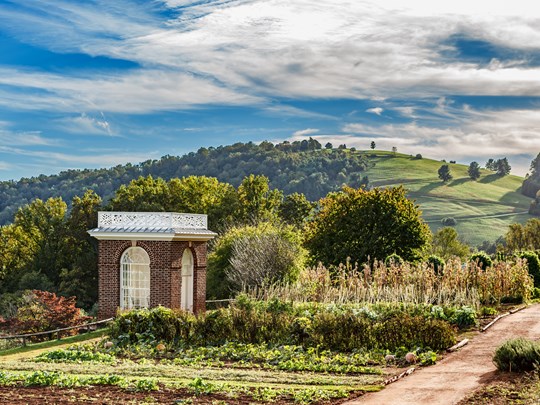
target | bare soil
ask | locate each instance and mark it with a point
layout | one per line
(108, 395)
(462, 373)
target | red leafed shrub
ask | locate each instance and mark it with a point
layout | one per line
(43, 311)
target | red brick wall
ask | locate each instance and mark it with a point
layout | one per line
(165, 276)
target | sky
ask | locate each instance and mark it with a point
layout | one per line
(97, 83)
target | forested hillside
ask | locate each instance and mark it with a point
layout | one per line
(302, 166)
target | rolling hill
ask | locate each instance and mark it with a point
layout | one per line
(483, 209)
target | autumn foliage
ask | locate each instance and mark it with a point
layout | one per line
(43, 311)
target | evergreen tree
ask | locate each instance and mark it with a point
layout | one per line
(444, 173)
(474, 170)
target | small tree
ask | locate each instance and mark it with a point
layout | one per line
(483, 260)
(328, 145)
(490, 164)
(43, 311)
(502, 167)
(373, 145)
(444, 173)
(394, 150)
(474, 170)
(446, 244)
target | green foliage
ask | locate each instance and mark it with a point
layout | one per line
(250, 255)
(531, 184)
(393, 259)
(524, 237)
(74, 354)
(257, 201)
(517, 355)
(48, 248)
(364, 224)
(533, 264)
(339, 328)
(295, 209)
(474, 171)
(446, 244)
(437, 263)
(448, 221)
(502, 167)
(444, 173)
(483, 259)
(464, 317)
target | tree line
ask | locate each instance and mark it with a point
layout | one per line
(300, 166)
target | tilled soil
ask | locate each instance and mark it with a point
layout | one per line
(108, 395)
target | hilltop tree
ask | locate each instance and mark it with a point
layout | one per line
(444, 173)
(373, 145)
(364, 224)
(394, 150)
(328, 145)
(474, 170)
(490, 164)
(502, 167)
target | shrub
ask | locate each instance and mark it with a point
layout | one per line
(437, 263)
(251, 255)
(517, 355)
(482, 259)
(533, 264)
(43, 311)
(449, 221)
(335, 327)
(418, 156)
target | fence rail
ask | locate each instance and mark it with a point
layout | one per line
(57, 331)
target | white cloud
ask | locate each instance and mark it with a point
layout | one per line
(485, 134)
(375, 110)
(87, 125)
(246, 52)
(305, 132)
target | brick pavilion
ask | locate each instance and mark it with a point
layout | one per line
(148, 259)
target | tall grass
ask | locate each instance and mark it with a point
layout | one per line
(457, 284)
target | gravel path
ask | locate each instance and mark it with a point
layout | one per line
(459, 373)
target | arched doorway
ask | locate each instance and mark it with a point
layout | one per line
(186, 298)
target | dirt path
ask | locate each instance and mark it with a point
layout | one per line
(460, 373)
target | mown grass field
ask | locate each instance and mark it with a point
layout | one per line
(483, 208)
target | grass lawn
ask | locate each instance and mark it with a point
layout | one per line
(483, 208)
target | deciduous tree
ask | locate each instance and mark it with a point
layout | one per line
(366, 225)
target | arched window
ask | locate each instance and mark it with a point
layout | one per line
(186, 299)
(135, 279)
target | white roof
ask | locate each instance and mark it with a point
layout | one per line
(151, 226)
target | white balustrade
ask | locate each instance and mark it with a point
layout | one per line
(159, 220)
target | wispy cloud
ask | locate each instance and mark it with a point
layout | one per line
(305, 132)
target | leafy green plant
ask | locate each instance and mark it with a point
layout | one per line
(74, 355)
(464, 317)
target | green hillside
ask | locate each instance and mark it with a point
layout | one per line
(483, 208)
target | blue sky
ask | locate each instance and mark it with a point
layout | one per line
(106, 82)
